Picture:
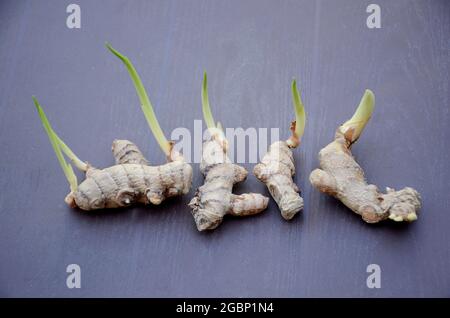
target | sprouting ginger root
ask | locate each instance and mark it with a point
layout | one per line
(277, 166)
(214, 199)
(341, 177)
(131, 181)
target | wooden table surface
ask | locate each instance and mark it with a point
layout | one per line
(251, 50)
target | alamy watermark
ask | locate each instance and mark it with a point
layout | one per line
(73, 20)
(374, 19)
(244, 145)
(73, 280)
(374, 279)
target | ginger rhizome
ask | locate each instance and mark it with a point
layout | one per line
(341, 177)
(214, 199)
(132, 179)
(277, 166)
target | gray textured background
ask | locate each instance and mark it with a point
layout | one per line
(251, 50)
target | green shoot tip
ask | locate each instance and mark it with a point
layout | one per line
(67, 168)
(146, 105)
(300, 115)
(206, 108)
(353, 128)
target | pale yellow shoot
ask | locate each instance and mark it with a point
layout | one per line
(300, 116)
(353, 128)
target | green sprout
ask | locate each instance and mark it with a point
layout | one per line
(69, 153)
(60, 147)
(300, 116)
(146, 105)
(215, 129)
(207, 114)
(355, 125)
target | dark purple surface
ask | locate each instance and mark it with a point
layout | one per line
(251, 50)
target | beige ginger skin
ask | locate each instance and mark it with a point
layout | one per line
(341, 176)
(214, 199)
(131, 180)
(277, 167)
(276, 171)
